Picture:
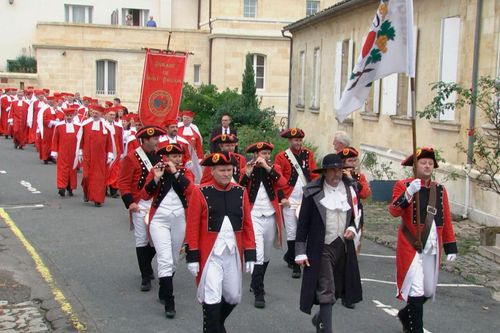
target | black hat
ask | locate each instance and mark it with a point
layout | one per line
(258, 146)
(292, 133)
(221, 158)
(424, 152)
(330, 161)
(173, 148)
(348, 152)
(150, 131)
(225, 138)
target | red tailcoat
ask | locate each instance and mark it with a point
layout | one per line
(49, 117)
(202, 226)
(64, 145)
(194, 140)
(114, 169)
(186, 156)
(5, 101)
(305, 158)
(238, 170)
(96, 146)
(401, 207)
(365, 191)
(19, 114)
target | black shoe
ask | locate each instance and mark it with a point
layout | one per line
(46, 162)
(296, 272)
(62, 192)
(97, 204)
(260, 302)
(403, 318)
(348, 305)
(70, 193)
(317, 323)
(170, 308)
(20, 147)
(145, 284)
(85, 198)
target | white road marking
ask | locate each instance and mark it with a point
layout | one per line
(3, 171)
(378, 281)
(377, 255)
(390, 310)
(21, 207)
(454, 285)
(29, 187)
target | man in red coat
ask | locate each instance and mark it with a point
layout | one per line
(219, 234)
(227, 143)
(173, 137)
(191, 133)
(296, 164)
(262, 180)
(134, 170)
(48, 117)
(64, 150)
(5, 102)
(116, 130)
(33, 110)
(95, 144)
(18, 119)
(418, 260)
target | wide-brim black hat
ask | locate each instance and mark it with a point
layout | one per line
(173, 148)
(330, 161)
(221, 158)
(421, 153)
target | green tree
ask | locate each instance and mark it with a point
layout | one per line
(248, 89)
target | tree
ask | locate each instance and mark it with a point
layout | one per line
(248, 89)
(486, 147)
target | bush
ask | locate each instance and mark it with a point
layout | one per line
(22, 64)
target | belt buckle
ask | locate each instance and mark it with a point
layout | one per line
(431, 210)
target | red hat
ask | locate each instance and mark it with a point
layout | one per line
(38, 92)
(30, 88)
(28, 91)
(126, 117)
(225, 138)
(70, 110)
(119, 107)
(109, 110)
(221, 158)
(96, 107)
(108, 103)
(258, 146)
(169, 122)
(348, 152)
(150, 131)
(69, 94)
(292, 133)
(133, 116)
(11, 89)
(188, 113)
(45, 90)
(86, 98)
(173, 148)
(51, 98)
(424, 152)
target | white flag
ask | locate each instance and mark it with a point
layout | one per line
(387, 49)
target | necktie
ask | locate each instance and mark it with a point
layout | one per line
(225, 130)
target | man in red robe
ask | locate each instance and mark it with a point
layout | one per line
(95, 145)
(64, 150)
(114, 170)
(191, 133)
(18, 117)
(5, 102)
(33, 110)
(48, 117)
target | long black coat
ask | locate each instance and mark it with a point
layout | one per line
(310, 240)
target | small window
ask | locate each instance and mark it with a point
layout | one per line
(302, 71)
(196, 79)
(259, 64)
(312, 7)
(105, 77)
(78, 14)
(316, 78)
(249, 8)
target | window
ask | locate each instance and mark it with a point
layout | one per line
(78, 14)
(249, 8)
(106, 77)
(135, 17)
(312, 7)
(316, 79)
(259, 64)
(450, 37)
(343, 66)
(302, 71)
(196, 79)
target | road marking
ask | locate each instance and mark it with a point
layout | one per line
(21, 207)
(44, 271)
(29, 187)
(3, 171)
(377, 256)
(454, 285)
(390, 310)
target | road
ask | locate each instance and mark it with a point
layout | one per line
(90, 253)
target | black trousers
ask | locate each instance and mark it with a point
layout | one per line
(331, 274)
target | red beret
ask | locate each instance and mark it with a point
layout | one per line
(225, 138)
(424, 152)
(30, 88)
(169, 122)
(221, 158)
(150, 131)
(38, 92)
(86, 98)
(256, 147)
(109, 110)
(348, 152)
(70, 110)
(188, 113)
(96, 107)
(108, 103)
(45, 90)
(173, 148)
(51, 98)
(292, 133)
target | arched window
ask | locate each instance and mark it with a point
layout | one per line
(105, 77)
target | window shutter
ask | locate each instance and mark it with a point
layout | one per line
(338, 73)
(450, 35)
(390, 94)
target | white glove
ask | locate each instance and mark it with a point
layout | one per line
(10, 121)
(414, 187)
(110, 159)
(249, 265)
(451, 257)
(53, 155)
(52, 123)
(193, 268)
(80, 156)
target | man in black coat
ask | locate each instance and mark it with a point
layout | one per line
(324, 246)
(224, 128)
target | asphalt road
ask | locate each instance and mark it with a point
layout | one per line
(90, 252)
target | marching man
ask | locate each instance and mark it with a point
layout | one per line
(418, 261)
(64, 150)
(5, 101)
(173, 137)
(48, 117)
(18, 118)
(116, 130)
(227, 143)
(191, 133)
(170, 186)
(219, 235)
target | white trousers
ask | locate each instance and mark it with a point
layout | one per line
(140, 227)
(167, 233)
(264, 228)
(290, 219)
(222, 278)
(424, 281)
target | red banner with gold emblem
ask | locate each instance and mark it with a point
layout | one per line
(162, 83)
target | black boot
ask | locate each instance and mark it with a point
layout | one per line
(225, 311)
(415, 313)
(62, 192)
(166, 293)
(151, 254)
(296, 272)
(324, 320)
(212, 318)
(144, 264)
(70, 191)
(257, 286)
(289, 256)
(113, 192)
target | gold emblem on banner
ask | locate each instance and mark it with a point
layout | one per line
(160, 103)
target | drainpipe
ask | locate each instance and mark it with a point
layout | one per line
(210, 42)
(472, 112)
(289, 78)
(199, 14)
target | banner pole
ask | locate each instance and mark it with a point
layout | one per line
(168, 43)
(418, 244)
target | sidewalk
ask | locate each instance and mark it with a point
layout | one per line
(382, 228)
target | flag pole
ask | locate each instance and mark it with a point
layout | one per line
(418, 244)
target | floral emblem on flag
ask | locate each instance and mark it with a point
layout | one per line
(160, 103)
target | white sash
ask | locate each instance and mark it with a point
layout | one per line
(144, 158)
(296, 165)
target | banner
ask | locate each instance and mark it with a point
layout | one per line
(387, 49)
(162, 83)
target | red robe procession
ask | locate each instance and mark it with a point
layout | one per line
(19, 115)
(96, 147)
(47, 121)
(64, 150)
(5, 101)
(114, 169)
(35, 107)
